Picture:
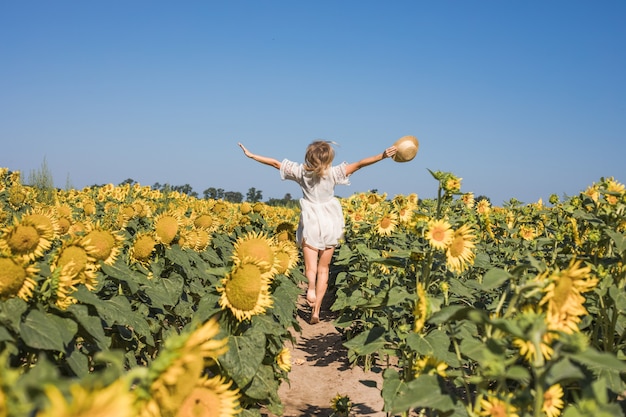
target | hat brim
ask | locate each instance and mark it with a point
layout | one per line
(406, 148)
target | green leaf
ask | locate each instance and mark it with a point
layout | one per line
(11, 312)
(121, 272)
(367, 342)
(398, 295)
(285, 301)
(164, 291)
(422, 392)
(244, 356)
(434, 344)
(93, 325)
(263, 385)
(450, 313)
(599, 360)
(563, 370)
(78, 363)
(618, 238)
(5, 335)
(46, 331)
(494, 278)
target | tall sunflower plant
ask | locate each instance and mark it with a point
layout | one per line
(477, 310)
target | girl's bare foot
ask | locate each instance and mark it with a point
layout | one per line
(314, 319)
(310, 297)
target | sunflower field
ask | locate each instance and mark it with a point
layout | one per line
(128, 301)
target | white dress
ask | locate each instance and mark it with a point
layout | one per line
(321, 219)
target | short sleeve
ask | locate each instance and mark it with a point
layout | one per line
(339, 174)
(290, 170)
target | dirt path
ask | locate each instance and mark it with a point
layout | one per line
(320, 370)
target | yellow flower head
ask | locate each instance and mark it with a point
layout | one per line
(439, 234)
(553, 401)
(492, 406)
(257, 246)
(283, 359)
(211, 397)
(75, 264)
(176, 374)
(468, 200)
(386, 224)
(459, 253)
(429, 365)
(142, 249)
(166, 226)
(204, 221)
(483, 206)
(563, 296)
(30, 237)
(527, 232)
(245, 291)
(113, 400)
(103, 245)
(287, 256)
(16, 279)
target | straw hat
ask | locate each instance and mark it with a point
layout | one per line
(406, 148)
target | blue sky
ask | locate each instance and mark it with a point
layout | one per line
(521, 99)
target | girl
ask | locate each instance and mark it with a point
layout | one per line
(321, 224)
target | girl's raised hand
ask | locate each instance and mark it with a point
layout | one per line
(245, 151)
(390, 152)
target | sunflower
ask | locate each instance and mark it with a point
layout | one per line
(493, 406)
(528, 351)
(103, 245)
(613, 191)
(341, 405)
(452, 184)
(553, 401)
(563, 296)
(196, 239)
(166, 226)
(211, 397)
(287, 256)
(16, 279)
(64, 225)
(483, 206)
(18, 197)
(113, 400)
(177, 371)
(429, 365)
(592, 192)
(405, 212)
(245, 290)
(30, 237)
(459, 253)
(257, 246)
(204, 221)
(285, 231)
(468, 200)
(439, 234)
(142, 249)
(75, 264)
(386, 224)
(527, 232)
(283, 359)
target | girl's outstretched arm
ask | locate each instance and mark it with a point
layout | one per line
(354, 166)
(262, 159)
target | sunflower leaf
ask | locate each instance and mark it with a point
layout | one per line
(46, 331)
(244, 356)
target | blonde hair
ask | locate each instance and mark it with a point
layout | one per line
(319, 156)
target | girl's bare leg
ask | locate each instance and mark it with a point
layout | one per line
(310, 271)
(321, 285)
